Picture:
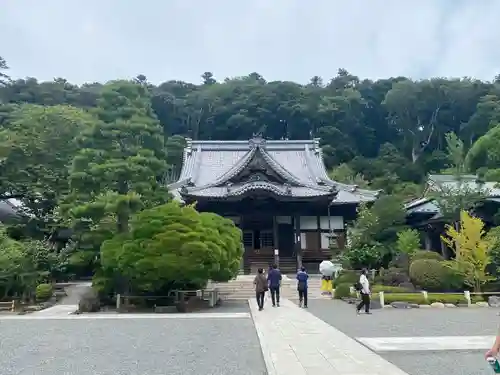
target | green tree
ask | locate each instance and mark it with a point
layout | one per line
(37, 146)
(343, 173)
(119, 168)
(23, 266)
(374, 232)
(4, 78)
(172, 247)
(414, 109)
(472, 250)
(408, 242)
(485, 152)
(452, 198)
(486, 116)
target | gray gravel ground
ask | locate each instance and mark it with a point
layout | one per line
(417, 322)
(407, 322)
(207, 346)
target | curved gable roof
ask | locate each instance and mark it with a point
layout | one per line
(209, 164)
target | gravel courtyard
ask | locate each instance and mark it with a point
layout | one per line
(211, 346)
(415, 323)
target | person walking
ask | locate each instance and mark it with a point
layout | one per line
(364, 289)
(260, 288)
(274, 279)
(302, 278)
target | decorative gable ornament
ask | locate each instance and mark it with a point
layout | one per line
(257, 141)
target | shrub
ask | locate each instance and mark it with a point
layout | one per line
(43, 292)
(408, 241)
(389, 289)
(431, 275)
(368, 255)
(394, 276)
(416, 298)
(426, 254)
(346, 277)
(401, 261)
(454, 298)
(343, 290)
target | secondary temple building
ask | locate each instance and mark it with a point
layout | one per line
(277, 192)
(425, 214)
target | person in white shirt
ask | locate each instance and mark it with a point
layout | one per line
(364, 286)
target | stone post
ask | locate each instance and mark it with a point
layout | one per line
(381, 297)
(467, 297)
(426, 296)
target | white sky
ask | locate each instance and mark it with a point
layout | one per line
(99, 40)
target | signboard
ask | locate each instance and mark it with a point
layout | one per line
(276, 252)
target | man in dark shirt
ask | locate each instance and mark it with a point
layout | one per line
(274, 280)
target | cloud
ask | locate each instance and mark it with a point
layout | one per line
(281, 39)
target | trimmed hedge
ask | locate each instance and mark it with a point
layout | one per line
(433, 275)
(346, 277)
(426, 254)
(342, 291)
(393, 276)
(418, 298)
(388, 289)
(43, 292)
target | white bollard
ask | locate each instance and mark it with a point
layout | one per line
(118, 301)
(467, 297)
(381, 297)
(426, 296)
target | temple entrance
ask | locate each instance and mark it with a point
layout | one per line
(262, 235)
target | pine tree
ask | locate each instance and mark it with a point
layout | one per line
(120, 165)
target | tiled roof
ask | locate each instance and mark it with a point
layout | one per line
(7, 210)
(209, 165)
(472, 182)
(428, 205)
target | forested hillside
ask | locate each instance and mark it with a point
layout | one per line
(388, 133)
(91, 163)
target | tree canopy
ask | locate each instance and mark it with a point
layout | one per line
(389, 132)
(172, 246)
(96, 158)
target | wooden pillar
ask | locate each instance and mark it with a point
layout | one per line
(276, 241)
(298, 247)
(444, 249)
(246, 265)
(318, 229)
(427, 241)
(275, 233)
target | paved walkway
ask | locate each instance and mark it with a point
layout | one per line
(431, 343)
(295, 342)
(57, 310)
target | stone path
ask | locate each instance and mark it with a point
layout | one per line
(57, 310)
(295, 342)
(435, 343)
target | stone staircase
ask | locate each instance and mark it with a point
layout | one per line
(286, 264)
(242, 288)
